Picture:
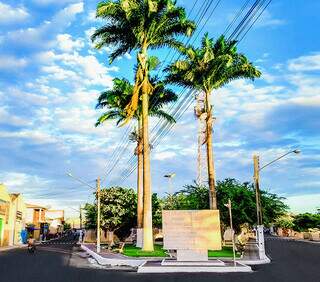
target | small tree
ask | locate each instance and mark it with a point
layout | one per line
(118, 211)
(284, 222)
(66, 226)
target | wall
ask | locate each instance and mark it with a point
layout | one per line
(4, 215)
(16, 218)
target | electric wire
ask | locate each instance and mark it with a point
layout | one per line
(238, 30)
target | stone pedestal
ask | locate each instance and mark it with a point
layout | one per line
(192, 255)
(139, 242)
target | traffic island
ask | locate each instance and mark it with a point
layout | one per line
(218, 266)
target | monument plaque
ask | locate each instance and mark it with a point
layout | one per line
(191, 232)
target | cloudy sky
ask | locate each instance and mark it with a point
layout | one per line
(50, 77)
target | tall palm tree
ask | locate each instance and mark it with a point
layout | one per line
(116, 100)
(213, 65)
(141, 25)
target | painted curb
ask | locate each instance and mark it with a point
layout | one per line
(190, 269)
(113, 262)
(255, 262)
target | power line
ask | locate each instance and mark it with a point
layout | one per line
(254, 21)
(238, 30)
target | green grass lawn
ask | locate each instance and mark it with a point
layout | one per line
(225, 252)
(133, 251)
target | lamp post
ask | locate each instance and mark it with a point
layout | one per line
(229, 206)
(80, 214)
(256, 179)
(170, 176)
(98, 190)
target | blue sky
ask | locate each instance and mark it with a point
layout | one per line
(50, 77)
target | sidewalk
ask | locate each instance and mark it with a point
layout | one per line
(8, 248)
(106, 257)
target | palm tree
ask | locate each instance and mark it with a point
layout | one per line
(213, 65)
(141, 25)
(116, 99)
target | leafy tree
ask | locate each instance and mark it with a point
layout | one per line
(141, 25)
(284, 222)
(242, 196)
(118, 211)
(304, 221)
(156, 211)
(66, 226)
(90, 214)
(210, 67)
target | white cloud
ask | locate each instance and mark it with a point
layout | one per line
(160, 156)
(86, 70)
(9, 118)
(12, 63)
(43, 35)
(267, 19)
(47, 2)
(36, 136)
(305, 63)
(11, 15)
(28, 98)
(128, 56)
(304, 203)
(66, 44)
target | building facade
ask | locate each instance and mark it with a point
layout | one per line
(12, 217)
(55, 219)
(36, 220)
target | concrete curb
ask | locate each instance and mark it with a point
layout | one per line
(255, 262)
(193, 269)
(8, 248)
(113, 261)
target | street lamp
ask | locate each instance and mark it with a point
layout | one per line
(97, 188)
(170, 176)
(229, 206)
(256, 178)
(80, 214)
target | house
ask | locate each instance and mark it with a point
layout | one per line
(55, 219)
(17, 220)
(12, 217)
(4, 216)
(36, 220)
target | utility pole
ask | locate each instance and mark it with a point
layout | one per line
(232, 231)
(256, 179)
(80, 210)
(98, 215)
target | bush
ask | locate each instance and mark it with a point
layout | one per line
(302, 222)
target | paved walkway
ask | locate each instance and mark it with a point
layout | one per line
(106, 253)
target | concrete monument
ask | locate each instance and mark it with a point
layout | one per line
(192, 233)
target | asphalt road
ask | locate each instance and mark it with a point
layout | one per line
(63, 262)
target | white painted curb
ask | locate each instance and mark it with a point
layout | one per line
(255, 262)
(113, 262)
(190, 269)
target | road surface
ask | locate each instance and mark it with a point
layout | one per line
(63, 261)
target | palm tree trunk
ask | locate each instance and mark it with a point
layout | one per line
(140, 177)
(210, 163)
(147, 194)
